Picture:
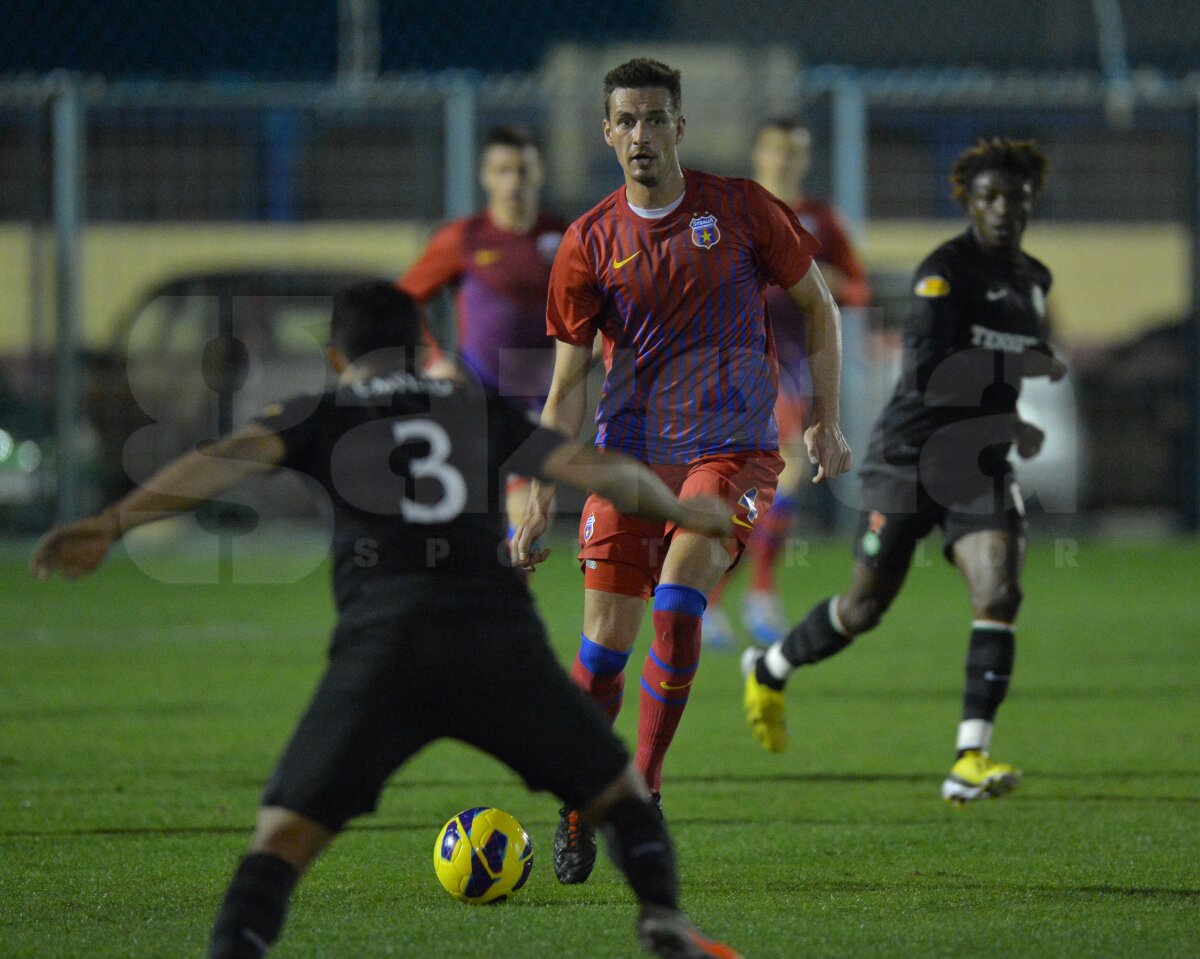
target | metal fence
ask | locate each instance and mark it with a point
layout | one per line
(111, 191)
(315, 39)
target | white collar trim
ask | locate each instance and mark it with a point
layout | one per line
(659, 212)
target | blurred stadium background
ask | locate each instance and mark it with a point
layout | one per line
(181, 185)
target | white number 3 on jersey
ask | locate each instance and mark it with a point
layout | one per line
(433, 466)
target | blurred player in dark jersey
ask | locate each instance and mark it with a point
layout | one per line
(782, 158)
(669, 270)
(498, 262)
(939, 457)
(436, 634)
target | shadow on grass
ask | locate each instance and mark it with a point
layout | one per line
(1030, 694)
(1110, 775)
(940, 881)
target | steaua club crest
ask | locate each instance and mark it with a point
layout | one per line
(704, 231)
(588, 527)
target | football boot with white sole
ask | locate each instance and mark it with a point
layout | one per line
(975, 775)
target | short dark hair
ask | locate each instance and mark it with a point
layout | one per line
(641, 72)
(509, 136)
(1020, 157)
(374, 315)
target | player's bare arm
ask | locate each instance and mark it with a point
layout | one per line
(827, 448)
(633, 489)
(566, 405)
(835, 279)
(76, 549)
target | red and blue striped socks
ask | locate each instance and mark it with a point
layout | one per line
(667, 674)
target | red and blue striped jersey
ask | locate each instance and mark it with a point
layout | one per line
(688, 352)
(501, 278)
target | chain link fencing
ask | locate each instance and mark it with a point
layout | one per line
(226, 155)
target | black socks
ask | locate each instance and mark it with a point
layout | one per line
(638, 842)
(989, 666)
(255, 904)
(815, 638)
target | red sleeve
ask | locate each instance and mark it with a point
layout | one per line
(785, 249)
(574, 300)
(440, 264)
(839, 252)
(436, 268)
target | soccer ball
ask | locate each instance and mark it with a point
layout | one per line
(483, 855)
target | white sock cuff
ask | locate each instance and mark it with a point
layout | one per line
(777, 664)
(994, 625)
(974, 734)
(835, 620)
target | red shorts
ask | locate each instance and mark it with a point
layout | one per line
(623, 554)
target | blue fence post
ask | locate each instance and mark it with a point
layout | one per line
(461, 107)
(68, 136)
(281, 152)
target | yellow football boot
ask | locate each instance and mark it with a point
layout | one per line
(975, 775)
(764, 707)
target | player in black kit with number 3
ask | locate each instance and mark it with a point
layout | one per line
(939, 457)
(436, 634)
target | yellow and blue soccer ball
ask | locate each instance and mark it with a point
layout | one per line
(483, 855)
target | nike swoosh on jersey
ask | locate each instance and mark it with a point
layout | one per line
(617, 264)
(994, 295)
(673, 689)
(741, 522)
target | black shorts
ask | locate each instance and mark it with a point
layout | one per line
(901, 510)
(452, 657)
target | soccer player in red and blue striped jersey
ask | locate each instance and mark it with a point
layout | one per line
(670, 271)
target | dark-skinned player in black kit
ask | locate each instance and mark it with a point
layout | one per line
(939, 457)
(427, 602)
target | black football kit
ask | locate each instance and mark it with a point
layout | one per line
(436, 635)
(939, 451)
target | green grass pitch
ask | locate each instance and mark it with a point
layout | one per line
(138, 720)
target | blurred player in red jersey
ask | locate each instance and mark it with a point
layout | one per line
(499, 262)
(670, 270)
(782, 158)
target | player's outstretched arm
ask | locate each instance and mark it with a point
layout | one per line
(566, 405)
(633, 489)
(76, 549)
(827, 448)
